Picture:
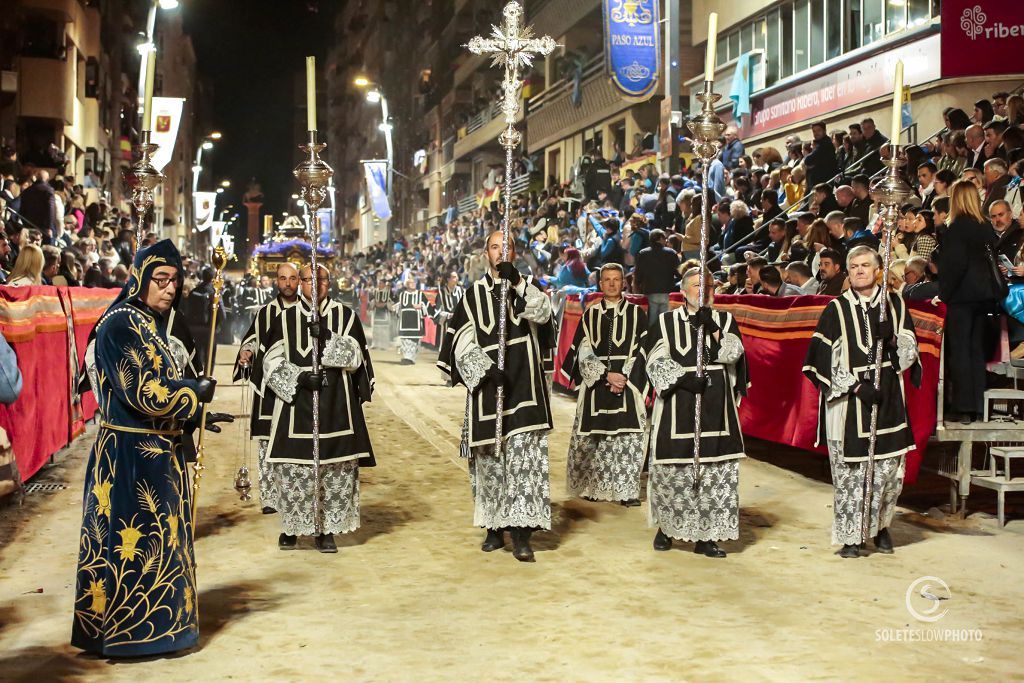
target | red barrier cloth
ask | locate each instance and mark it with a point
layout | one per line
(38, 323)
(782, 404)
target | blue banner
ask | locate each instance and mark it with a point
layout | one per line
(632, 56)
(377, 187)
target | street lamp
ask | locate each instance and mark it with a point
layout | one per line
(225, 183)
(148, 47)
(361, 82)
(197, 167)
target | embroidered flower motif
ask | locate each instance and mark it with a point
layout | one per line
(98, 592)
(153, 389)
(129, 539)
(154, 357)
(102, 492)
(172, 530)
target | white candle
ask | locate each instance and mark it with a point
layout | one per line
(709, 58)
(310, 93)
(147, 101)
(897, 103)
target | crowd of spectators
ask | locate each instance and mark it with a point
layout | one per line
(51, 235)
(780, 225)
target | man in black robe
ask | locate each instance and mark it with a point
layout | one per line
(345, 382)
(708, 511)
(841, 363)
(411, 307)
(606, 451)
(250, 355)
(511, 488)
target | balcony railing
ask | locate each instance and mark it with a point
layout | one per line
(557, 89)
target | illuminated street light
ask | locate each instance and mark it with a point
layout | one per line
(373, 96)
(207, 145)
(362, 82)
(215, 135)
(225, 183)
(220, 190)
(168, 4)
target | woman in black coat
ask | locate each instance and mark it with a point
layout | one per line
(968, 290)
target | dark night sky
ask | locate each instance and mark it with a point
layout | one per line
(248, 53)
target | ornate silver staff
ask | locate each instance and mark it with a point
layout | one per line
(513, 48)
(890, 192)
(313, 175)
(707, 128)
(141, 178)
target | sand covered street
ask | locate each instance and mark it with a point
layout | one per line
(410, 597)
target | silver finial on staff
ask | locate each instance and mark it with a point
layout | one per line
(707, 129)
(313, 175)
(890, 192)
(513, 48)
(140, 179)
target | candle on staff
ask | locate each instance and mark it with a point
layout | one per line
(709, 55)
(147, 100)
(897, 103)
(310, 93)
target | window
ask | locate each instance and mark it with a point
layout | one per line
(734, 45)
(760, 33)
(746, 39)
(872, 21)
(801, 36)
(852, 26)
(918, 13)
(833, 28)
(721, 51)
(773, 48)
(895, 16)
(787, 48)
(817, 32)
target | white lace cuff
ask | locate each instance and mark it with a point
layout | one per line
(906, 349)
(627, 367)
(592, 370)
(284, 380)
(664, 372)
(842, 381)
(473, 365)
(538, 305)
(342, 352)
(248, 345)
(731, 349)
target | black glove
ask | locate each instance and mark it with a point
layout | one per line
(204, 391)
(494, 377)
(884, 331)
(319, 330)
(703, 317)
(866, 392)
(310, 381)
(694, 384)
(507, 271)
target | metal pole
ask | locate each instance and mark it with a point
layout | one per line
(707, 128)
(890, 192)
(672, 76)
(391, 163)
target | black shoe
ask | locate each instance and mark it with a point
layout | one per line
(406, 361)
(286, 542)
(708, 549)
(849, 550)
(267, 510)
(495, 540)
(883, 542)
(661, 541)
(521, 549)
(631, 503)
(966, 419)
(325, 543)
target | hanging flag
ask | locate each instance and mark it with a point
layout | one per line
(205, 203)
(740, 91)
(906, 118)
(632, 55)
(377, 187)
(166, 119)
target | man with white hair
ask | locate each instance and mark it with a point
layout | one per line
(687, 505)
(733, 148)
(841, 363)
(997, 178)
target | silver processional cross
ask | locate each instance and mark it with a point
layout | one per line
(512, 47)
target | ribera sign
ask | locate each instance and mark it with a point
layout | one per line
(979, 37)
